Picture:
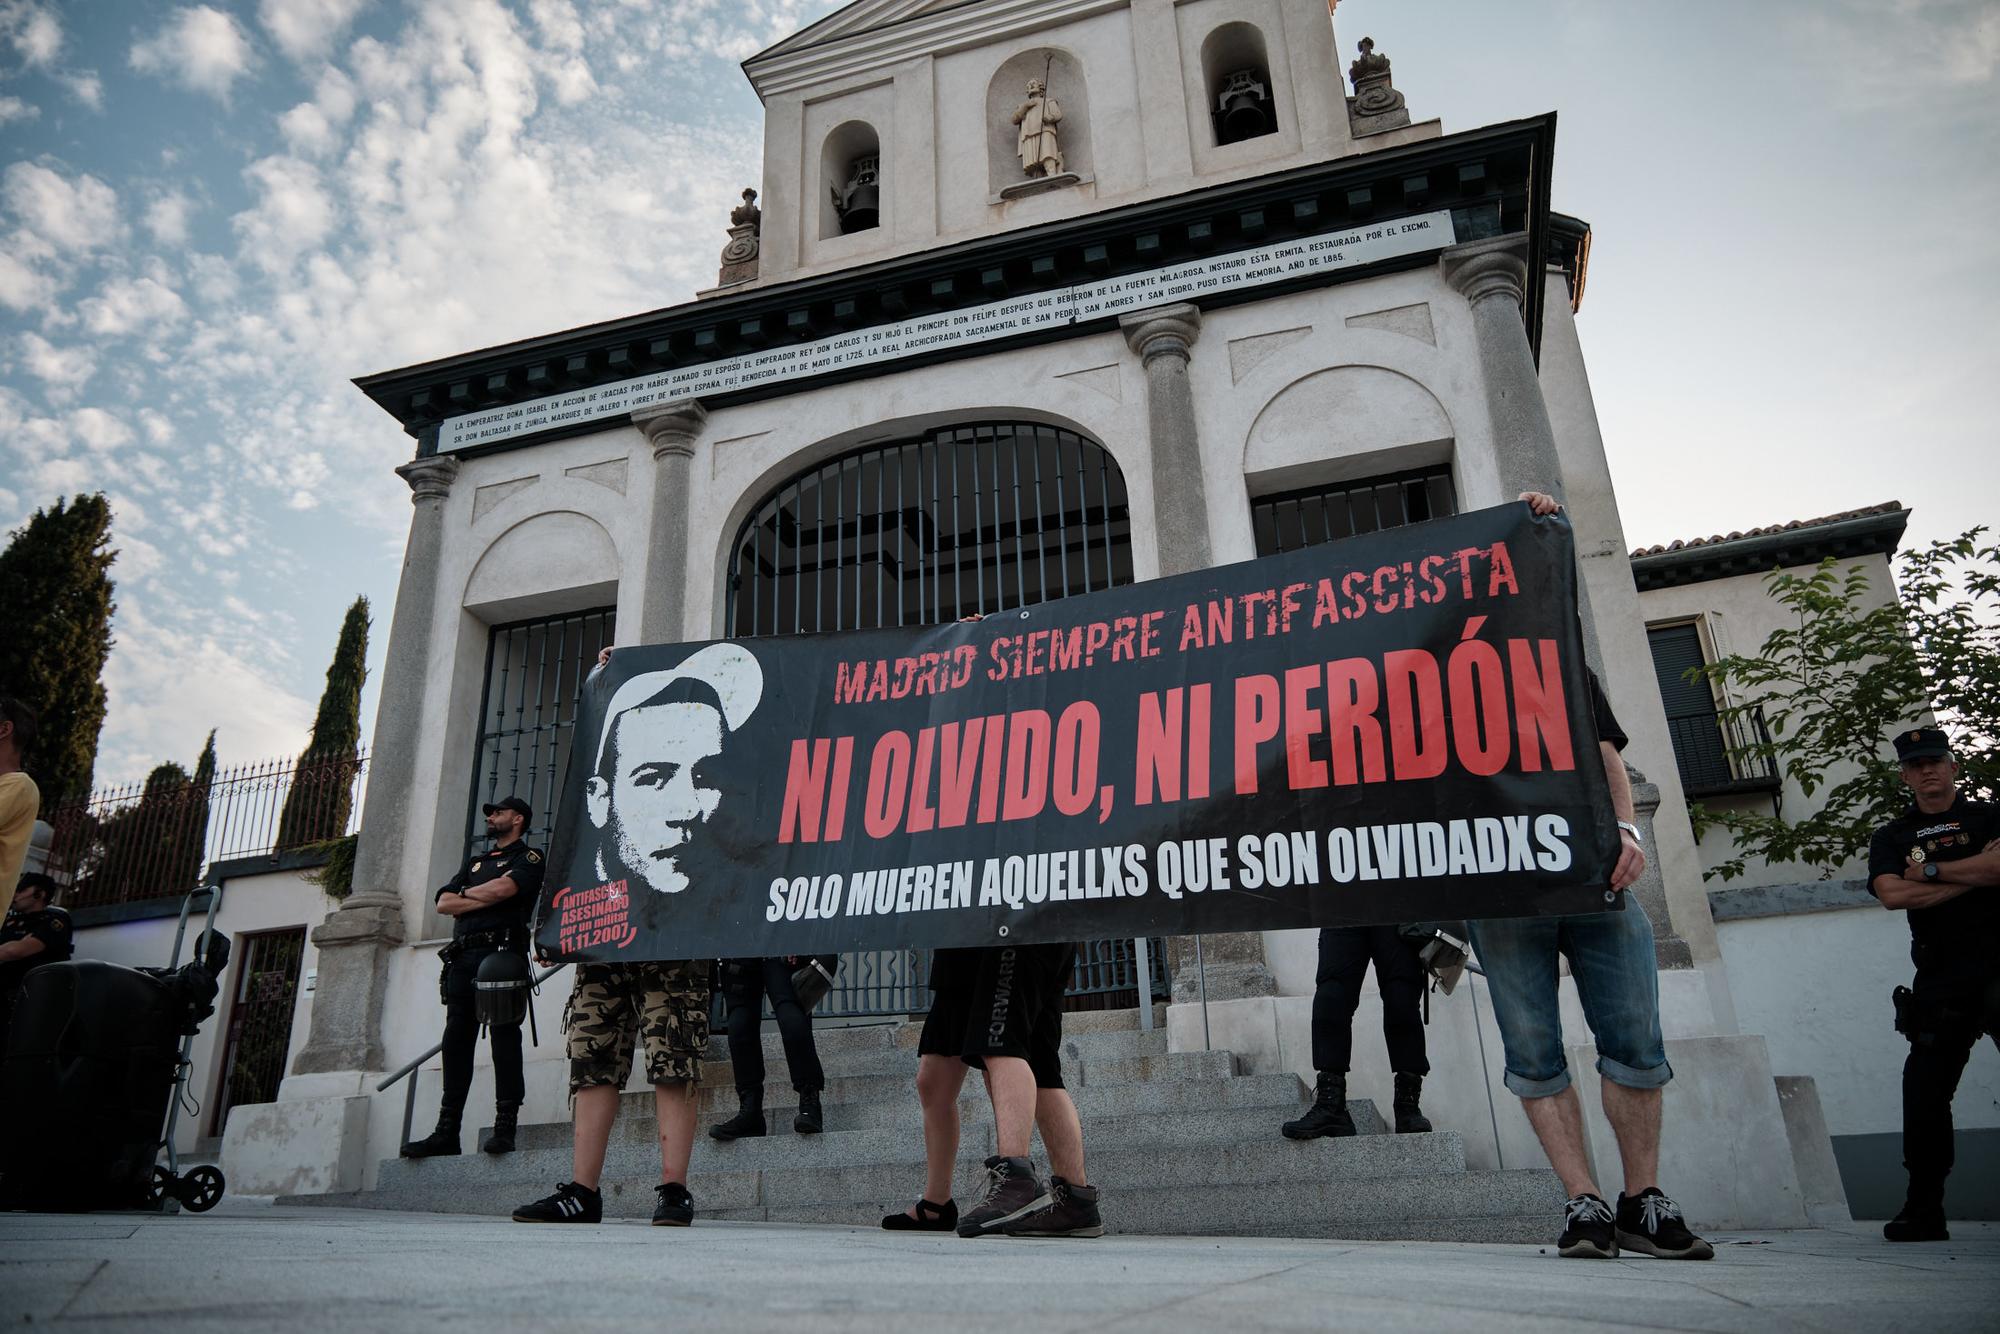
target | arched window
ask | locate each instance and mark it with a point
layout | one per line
(1237, 75)
(963, 519)
(850, 170)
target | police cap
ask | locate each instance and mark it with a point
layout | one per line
(520, 807)
(1921, 743)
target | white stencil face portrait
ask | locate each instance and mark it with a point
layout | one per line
(652, 789)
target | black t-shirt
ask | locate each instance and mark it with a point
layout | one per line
(51, 926)
(519, 863)
(1963, 928)
(1600, 709)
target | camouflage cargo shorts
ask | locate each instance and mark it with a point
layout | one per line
(616, 1006)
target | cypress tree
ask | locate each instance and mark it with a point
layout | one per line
(322, 793)
(55, 607)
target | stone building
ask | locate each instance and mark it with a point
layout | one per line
(1240, 310)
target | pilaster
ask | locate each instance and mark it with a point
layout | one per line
(671, 429)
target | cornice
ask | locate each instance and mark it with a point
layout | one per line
(783, 69)
(1791, 548)
(1485, 177)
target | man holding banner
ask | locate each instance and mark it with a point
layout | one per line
(1611, 957)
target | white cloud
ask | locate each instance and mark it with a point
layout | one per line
(99, 431)
(199, 48)
(124, 307)
(68, 215)
(304, 29)
(158, 427)
(167, 218)
(62, 369)
(13, 108)
(23, 286)
(293, 212)
(85, 87)
(32, 30)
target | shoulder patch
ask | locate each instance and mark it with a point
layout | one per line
(534, 856)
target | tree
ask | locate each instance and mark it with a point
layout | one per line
(322, 792)
(55, 605)
(1854, 670)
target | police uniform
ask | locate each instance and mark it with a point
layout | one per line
(474, 937)
(1953, 945)
(49, 925)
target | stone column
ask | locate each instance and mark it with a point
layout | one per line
(1164, 336)
(1492, 275)
(355, 941)
(1164, 339)
(671, 429)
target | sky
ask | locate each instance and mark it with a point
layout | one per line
(212, 216)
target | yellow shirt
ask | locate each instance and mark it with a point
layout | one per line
(19, 803)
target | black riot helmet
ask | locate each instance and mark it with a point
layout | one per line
(500, 991)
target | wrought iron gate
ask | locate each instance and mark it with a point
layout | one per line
(974, 518)
(534, 672)
(259, 1033)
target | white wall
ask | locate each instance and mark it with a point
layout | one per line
(250, 904)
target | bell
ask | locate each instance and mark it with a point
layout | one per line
(1244, 108)
(860, 204)
(500, 991)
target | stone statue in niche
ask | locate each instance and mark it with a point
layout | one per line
(1038, 117)
(739, 257)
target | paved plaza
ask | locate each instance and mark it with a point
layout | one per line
(254, 1266)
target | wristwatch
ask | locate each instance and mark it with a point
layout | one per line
(1930, 870)
(1633, 830)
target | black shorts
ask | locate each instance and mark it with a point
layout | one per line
(1005, 1000)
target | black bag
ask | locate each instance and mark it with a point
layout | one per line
(814, 979)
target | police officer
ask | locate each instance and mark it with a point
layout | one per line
(36, 933)
(490, 901)
(1940, 862)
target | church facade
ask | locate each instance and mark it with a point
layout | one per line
(1034, 297)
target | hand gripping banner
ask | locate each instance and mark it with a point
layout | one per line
(1394, 727)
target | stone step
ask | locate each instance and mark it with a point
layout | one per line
(830, 1169)
(1508, 1207)
(900, 1137)
(883, 1056)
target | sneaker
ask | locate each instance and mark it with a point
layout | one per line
(570, 1204)
(1011, 1192)
(676, 1206)
(1651, 1224)
(1588, 1231)
(1071, 1213)
(1917, 1222)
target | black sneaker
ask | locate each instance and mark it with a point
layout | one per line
(1917, 1222)
(1072, 1213)
(676, 1206)
(1012, 1192)
(570, 1204)
(1588, 1231)
(1651, 1224)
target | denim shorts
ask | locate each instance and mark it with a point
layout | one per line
(1611, 957)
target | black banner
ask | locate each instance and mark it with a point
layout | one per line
(1394, 727)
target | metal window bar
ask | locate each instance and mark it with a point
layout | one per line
(534, 673)
(259, 1030)
(961, 544)
(1294, 519)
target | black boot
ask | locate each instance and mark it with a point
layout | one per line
(1328, 1114)
(1921, 1217)
(748, 1123)
(440, 1143)
(500, 1139)
(808, 1122)
(1410, 1118)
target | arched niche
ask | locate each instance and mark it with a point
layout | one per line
(1342, 422)
(1236, 77)
(1062, 76)
(552, 562)
(853, 196)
